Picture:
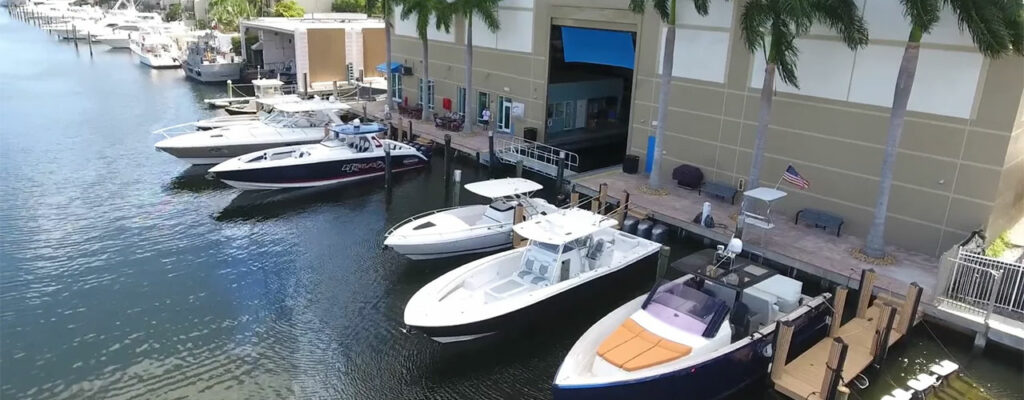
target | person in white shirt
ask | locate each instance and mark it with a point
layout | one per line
(485, 117)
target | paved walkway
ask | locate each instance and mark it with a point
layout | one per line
(805, 248)
(472, 143)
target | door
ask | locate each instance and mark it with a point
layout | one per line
(570, 118)
(396, 86)
(581, 113)
(505, 114)
(483, 100)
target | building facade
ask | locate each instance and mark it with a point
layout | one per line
(959, 166)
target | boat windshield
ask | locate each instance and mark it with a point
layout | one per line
(281, 119)
(684, 307)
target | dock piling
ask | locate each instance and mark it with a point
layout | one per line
(490, 149)
(517, 217)
(410, 131)
(456, 187)
(574, 199)
(519, 168)
(387, 166)
(305, 83)
(74, 35)
(560, 175)
(834, 369)
(663, 257)
(838, 306)
(908, 311)
(783, 337)
(447, 155)
(623, 210)
(88, 38)
(880, 344)
(867, 285)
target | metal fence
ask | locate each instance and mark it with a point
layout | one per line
(536, 156)
(981, 285)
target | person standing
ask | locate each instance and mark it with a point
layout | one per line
(485, 117)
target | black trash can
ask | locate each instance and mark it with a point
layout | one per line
(631, 164)
(530, 133)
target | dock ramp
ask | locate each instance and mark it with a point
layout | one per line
(536, 157)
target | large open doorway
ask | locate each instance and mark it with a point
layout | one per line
(590, 90)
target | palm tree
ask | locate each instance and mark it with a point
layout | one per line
(995, 26)
(773, 27)
(386, 9)
(666, 10)
(424, 11)
(488, 12)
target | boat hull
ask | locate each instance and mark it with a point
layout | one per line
(212, 72)
(232, 110)
(492, 241)
(715, 378)
(217, 154)
(316, 174)
(115, 43)
(551, 307)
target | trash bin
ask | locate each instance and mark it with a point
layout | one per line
(631, 164)
(530, 133)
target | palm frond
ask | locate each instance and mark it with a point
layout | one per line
(1012, 12)
(754, 22)
(638, 6)
(488, 12)
(923, 14)
(981, 19)
(783, 51)
(843, 17)
(664, 9)
(702, 6)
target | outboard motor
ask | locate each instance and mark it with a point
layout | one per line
(629, 224)
(659, 233)
(643, 229)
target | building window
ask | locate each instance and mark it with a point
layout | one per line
(482, 103)
(429, 98)
(396, 88)
(460, 101)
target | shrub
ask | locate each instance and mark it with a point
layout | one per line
(998, 246)
(289, 8)
(173, 13)
(352, 6)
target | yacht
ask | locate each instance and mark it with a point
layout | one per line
(468, 229)
(156, 46)
(347, 153)
(119, 36)
(209, 58)
(290, 123)
(705, 329)
(572, 255)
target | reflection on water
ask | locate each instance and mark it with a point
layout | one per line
(126, 274)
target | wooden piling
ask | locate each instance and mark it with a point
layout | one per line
(305, 83)
(88, 38)
(517, 217)
(842, 393)
(783, 337)
(834, 369)
(838, 304)
(519, 168)
(560, 175)
(867, 285)
(623, 210)
(490, 149)
(574, 199)
(908, 311)
(447, 155)
(456, 187)
(883, 328)
(663, 257)
(74, 35)
(387, 165)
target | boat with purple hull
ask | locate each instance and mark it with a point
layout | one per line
(347, 153)
(703, 335)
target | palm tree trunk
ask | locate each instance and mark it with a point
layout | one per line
(875, 243)
(426, 82)
(667, 61)
(468, 125)
(387, 40)
(764, 115)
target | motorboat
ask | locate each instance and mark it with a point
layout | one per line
(704, 334)
(209, 58)
(348, 153)
(468, 229)
(291, 122)
(119, 36)
(262, 88)
(156, 46)
(572, 254)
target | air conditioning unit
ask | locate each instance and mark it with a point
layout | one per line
(407, 71)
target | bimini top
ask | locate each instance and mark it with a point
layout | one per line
(563, 226)
(496, 188)
(311, 105)
(366, 128)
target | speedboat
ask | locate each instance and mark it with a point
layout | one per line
(347, 153)
(262, 89)
(290, 123)
(209, 59)
(468, 229)
(572, 254)
(703, 335)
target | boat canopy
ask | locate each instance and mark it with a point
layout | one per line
(267, 82)
(367, 128)
(497, 188)
(311, 105)
(564, 226)
(395, 67)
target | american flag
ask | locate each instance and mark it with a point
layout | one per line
(794, 177)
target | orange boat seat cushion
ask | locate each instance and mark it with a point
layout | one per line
(631, 347)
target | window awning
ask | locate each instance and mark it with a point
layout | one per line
(257, 46)
(598, 46)
(395, 67)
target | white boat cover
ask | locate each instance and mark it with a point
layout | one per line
(497, 188)
(563, 226)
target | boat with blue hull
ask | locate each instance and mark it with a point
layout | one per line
(704, 335)
(347, 153)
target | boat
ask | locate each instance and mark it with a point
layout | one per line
(155, 47)
(572, 255)
(209, 58)
(468, 229)
(347, 153)
(704, 334)
(119, 36)
(290, 123)
(262, 88)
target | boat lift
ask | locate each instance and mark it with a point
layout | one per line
(824, 371)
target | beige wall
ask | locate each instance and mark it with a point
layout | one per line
(374, 51)
(327, 55)
(952, 174)
(1009, 204)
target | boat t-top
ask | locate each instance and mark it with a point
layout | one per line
(468, 229)
(209, 58)
(572, 255)
(705, 334)
(292, 122)
(348, 152)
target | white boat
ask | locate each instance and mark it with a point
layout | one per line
(707, 333)
(209, 58)
(290, 123)
(119, 36)
(468, 229)
(572, 256)
(156, 46)
(348, 153)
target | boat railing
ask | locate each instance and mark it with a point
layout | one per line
(414, 217)
(175, 130)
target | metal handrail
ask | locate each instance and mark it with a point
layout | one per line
(173, 130)
(543, 153)
(414, 217)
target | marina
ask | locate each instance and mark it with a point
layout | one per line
(324, 247)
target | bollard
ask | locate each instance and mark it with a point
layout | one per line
(387, 166)
(456, 186)
(229, 88)
(519, 168)
(447, 155)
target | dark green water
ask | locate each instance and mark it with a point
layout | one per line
(125, 275)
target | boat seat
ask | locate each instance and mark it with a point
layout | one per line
(534, 273)
(631, 347)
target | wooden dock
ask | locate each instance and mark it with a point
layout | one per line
(824, 371)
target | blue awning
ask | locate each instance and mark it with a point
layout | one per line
(395, 67)
(598, 46)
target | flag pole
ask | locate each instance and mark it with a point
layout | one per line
(780, 181)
